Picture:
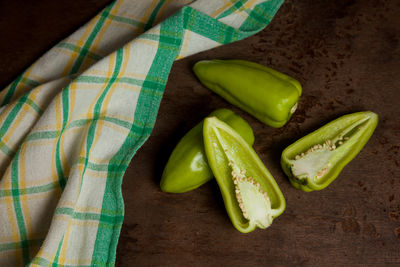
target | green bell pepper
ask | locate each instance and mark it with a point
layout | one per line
(315, 161)
(187, 166)
(251, 196)
(267, 94)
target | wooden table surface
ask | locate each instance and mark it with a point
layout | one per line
(346, 54)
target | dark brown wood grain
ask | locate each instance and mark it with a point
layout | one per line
(345, 53)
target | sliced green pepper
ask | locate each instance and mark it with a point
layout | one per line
(315, 161)
(267, 94)
(187, 166)
(251, 196)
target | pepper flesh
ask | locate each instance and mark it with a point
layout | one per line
(251, 196)
(316, 160)
(187, 167)
(267, 94)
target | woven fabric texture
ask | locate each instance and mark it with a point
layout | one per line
(71, 123)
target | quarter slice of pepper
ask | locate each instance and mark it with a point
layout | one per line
(316, 160)
(251, 196)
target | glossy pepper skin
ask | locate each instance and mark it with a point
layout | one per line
(316, 160)
(251, 196)
(187, 167)
(267, 94)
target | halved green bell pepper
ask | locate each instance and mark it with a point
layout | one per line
(315, 161)
(267, 94)
(187, 166)
(251, 196)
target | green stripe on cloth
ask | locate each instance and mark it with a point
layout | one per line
(83, 122)
(30, 82)
(92, 36)
(236, 6)
(91, 79)
(10, 119)
(62, 179)
(11, 90)
(18, 245)
(78, 49)
(11, 116)
(110, 167)
(30, 190)
(43, 135)
(109, 216)
(126, 80)
(34, 106)
(153, 15)
(18, 210)
(55, 262)
(125, 20)
(6, 150)
(44, 262)
(149, 36)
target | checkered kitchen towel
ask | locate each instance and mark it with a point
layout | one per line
(70, 124)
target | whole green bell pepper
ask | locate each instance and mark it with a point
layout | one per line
(315, 161)
(251, 196)
(187, 166)
(267, 94)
